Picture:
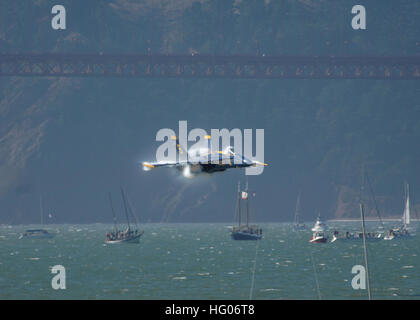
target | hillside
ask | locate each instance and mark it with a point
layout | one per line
(72, 140)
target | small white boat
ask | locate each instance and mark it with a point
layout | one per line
(319, 232)
(397, 233)
(404, 230)
(389, 236)
(319, 237)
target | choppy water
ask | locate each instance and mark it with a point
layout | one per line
(200, 261)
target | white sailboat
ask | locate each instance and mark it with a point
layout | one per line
(406, 213)
(404, 229)
(129, 235)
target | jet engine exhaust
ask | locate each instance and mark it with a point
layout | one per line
(187, 172)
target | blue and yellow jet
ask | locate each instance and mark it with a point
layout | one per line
(204, 162)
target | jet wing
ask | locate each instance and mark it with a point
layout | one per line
(151, 165)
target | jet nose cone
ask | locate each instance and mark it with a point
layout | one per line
(258, 163)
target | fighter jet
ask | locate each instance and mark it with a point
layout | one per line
(204, 161)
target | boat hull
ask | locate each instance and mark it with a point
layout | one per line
(39, 234)
(318, 240)
(245, 236)
(405, 236)
(400, 233)
(135, 239)
(368, 239)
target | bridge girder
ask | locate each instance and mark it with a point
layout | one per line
(209, 66)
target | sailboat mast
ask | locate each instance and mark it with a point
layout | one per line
(362, 185)
(297, 208)
(41, 209)
(131, 209)
(125, 207)
(247, 202)
(113, 212)
(239, 203)
(364, 249)
(374, 199)
(362, 216)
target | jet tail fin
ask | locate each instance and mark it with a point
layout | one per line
(179, 149)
